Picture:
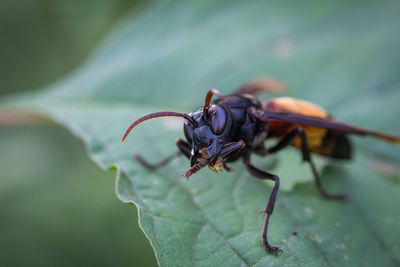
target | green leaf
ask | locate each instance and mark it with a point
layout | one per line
(342, 55)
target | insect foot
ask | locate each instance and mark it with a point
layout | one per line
(271, 249)
(341, 197)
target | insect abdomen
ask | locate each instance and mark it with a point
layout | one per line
(335, 145)
(320, 140)
(292, 105)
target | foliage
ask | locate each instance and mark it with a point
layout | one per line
(340, 54)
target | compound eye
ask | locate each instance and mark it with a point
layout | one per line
(218, 119)
(188, 131)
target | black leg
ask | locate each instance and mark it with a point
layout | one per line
(226, 167)
(271, 202)
(307, 157)
(288, 140)
(184, 148)
(229, 148)
(284, 142)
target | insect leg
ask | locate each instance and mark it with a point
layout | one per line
(287, 140)
(184, 148)
(307, 157)
(228, 150)
(284, 142)
(271, 202)
(232, 147)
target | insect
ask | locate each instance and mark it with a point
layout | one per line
(236, 126)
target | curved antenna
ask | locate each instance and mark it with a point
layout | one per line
(208, 100)
(156, 115)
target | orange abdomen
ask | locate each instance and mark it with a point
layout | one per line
(319, 140)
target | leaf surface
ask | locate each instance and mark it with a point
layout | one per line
(342, 55)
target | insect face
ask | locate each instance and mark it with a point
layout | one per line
(208, 135)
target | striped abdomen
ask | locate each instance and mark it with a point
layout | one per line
(320, 141)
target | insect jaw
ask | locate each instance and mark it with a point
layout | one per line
(202, 159)
(215, 162)
(197, 156)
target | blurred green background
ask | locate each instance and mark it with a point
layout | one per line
(51, 215)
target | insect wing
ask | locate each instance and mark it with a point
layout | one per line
(323, 123)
